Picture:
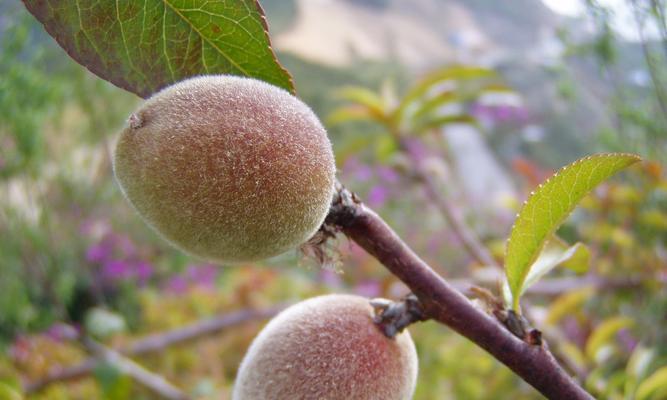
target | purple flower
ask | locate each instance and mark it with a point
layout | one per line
(504, 113)
(203, 275)
(124, 245)
(99, 252)
(359, 171)
(95, 228)
(363, 173)
(387, 174)
(626, 340)
(368, 289)
(177, 284)
(377, 196)
(116, 270)
(416, 148)
(330, 278)
(143, 272)
(60, 332)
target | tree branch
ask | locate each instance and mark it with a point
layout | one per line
(466, 236)
(442, 302)
(157, 342)
(558, 286)
(153, 382)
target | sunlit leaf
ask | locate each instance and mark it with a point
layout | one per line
(441, 121)
(446, 74)
(9, 393)
(640, 360)
(637, 367)
(352, 147)
(364, 97)
(567, 304)
(572, 352)
(554, 254)
(385, 148)
(144, 46)
(614, 384)
(604, 334)
(548, 206)
(350, 113)
(434, 103)
(653, 387)
(114, 384)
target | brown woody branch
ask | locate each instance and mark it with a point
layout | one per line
(157, 342)
(442, 302)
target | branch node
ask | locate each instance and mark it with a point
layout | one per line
(392, 317)
(517, 324)
(344, 209)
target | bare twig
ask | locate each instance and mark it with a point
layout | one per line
(558, 286)
(650, 62)
(153, 382)
(466, 236)
(157, 342)
(442, 302)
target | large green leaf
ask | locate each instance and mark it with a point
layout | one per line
(144, 46)
(548, 206)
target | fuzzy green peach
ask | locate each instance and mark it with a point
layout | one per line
(327, 347)
(226, 168)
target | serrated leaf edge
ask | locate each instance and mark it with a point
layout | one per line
(532, 194)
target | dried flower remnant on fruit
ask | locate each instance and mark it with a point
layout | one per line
(227, 168)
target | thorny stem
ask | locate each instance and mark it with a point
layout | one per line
(443, 303)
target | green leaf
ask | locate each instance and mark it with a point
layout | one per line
(350, 113)
(637, 368)
(548, 206)
(604, 333)
(144, 46)
(459, 72)
(430, 105)
(654, 384)
(568, 304)
(113, 383)
(9, 393)
(576, 257)
(363, 97)
(440, 121)
(554, 254)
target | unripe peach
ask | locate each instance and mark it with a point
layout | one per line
(227, 168)
(327, 347)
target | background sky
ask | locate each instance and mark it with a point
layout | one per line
(623, 21)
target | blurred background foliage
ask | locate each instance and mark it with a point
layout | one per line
(74, 254)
